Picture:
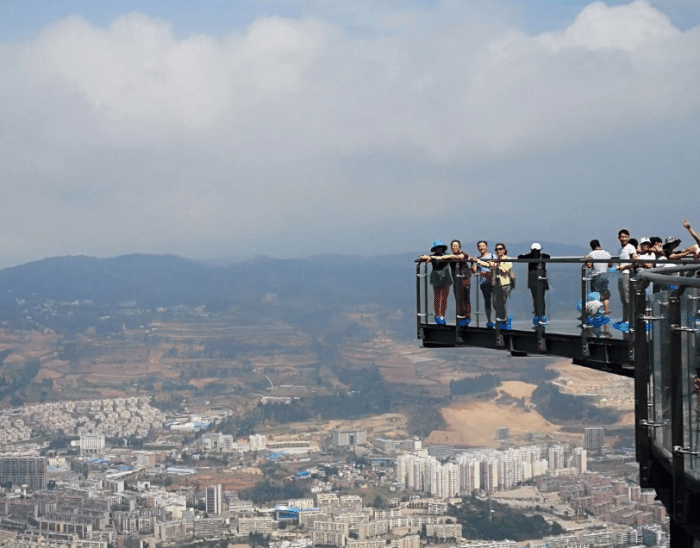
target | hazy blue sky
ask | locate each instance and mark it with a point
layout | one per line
(233, 128)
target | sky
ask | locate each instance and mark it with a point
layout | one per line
(220, 129)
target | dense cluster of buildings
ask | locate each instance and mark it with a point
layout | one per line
(13, 429)
(118, 417)
(613, 501)
(91, 495)
(487, 470)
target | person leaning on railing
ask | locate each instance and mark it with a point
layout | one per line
(484, 277)
(461, 272)
(537, 282)
(440, 278)
(599, 279)
(503, 283)
(669, 249)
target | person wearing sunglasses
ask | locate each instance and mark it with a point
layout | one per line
(502, 283)
(484, 277)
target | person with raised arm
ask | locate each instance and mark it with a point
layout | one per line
(695, 236)
(669, 249)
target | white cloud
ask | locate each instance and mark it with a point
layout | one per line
(203, 139)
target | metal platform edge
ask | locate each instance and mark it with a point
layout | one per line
(607, 355)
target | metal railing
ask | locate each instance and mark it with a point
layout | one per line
(668, 377)
(570, 283)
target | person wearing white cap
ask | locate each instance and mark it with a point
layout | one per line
(645, 255)
(537, 282)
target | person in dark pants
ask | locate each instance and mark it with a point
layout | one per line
(461, 274)
(537, 282)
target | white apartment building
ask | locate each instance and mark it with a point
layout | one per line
(257, 442)
(556, 458)
(92, 444)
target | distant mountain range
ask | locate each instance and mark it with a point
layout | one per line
(313, 287)
(169, 279)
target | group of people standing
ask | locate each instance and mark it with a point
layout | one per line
(496, 280)
(645, 253)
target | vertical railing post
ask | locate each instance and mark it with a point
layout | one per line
(500, 339)
(425, 293)
(418, 308)
(679, 506)
(457, 288)
(630, 303)
(584, 314)
(641, 389)
(477, 291)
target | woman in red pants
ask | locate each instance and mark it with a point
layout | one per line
(440, 278)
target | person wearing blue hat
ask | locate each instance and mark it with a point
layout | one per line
(440, 278)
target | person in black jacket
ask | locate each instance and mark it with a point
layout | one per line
(537, 282)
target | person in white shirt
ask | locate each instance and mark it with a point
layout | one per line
(646, 254)
(626, 253)
(599, 278)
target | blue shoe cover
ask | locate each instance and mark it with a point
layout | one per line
(544, 319)
(535, 321)
(622, 326)
(490, 325)
(463, 323)
(597, 321)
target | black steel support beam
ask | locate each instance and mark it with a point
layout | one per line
(679, 510)
(607, 355)
(641, 388)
